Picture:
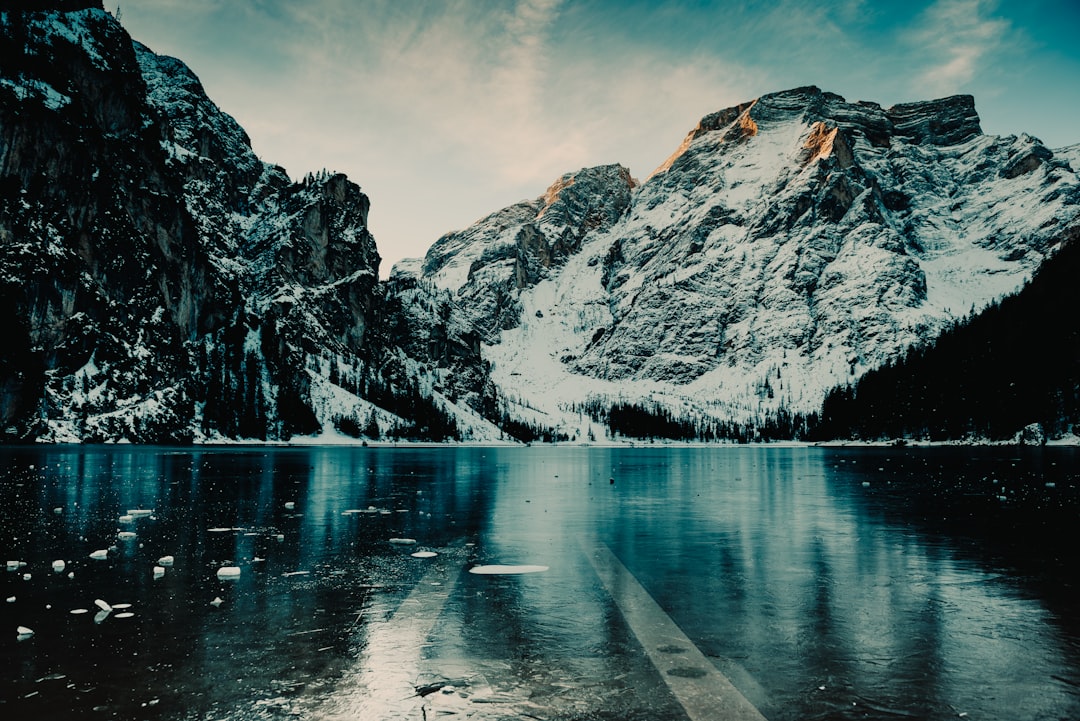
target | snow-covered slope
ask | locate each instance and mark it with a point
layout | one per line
(788, 245)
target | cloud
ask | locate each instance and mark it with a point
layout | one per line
(959, 40)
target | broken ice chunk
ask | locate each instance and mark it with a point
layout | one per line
(24, 633)
(58, 566)
(126, 518)
(497, 570)
(403, 541)
(102, 605)
(216, 602)
(280, 537)
(424, 554)
(121, 606)
(290, 505)
(159, 571)
(165, 561)
(79, 611)
(58, 510)
(100, 554)
(26, 577)
(15, 565)
(139, 512)
(101, 616)
(11, 599)
(228, 572)
(125, 614)
(125, 535)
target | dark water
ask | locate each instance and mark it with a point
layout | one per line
(824, 583)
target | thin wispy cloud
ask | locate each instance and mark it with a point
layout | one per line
(446, 111)
(959, 39)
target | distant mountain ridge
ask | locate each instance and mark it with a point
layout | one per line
(166, 285)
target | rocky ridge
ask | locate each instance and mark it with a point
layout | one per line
(167, 285)
(787, 246)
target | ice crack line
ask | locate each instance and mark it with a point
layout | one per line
(704, 692)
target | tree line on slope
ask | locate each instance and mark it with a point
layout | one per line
(1014, 364)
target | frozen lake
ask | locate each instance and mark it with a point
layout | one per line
(739, 582)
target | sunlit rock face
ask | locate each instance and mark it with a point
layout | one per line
(789, 244)
(165, 284)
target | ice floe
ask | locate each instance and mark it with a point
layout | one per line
(290, 505)
(166, 561)
(159, 571)
(79, 611)
(403, 541)
(140, 512)
(58, 566)
(424, 554)
(24, 633)
(100, 554)
(102, 605)
(497, 570)
(228, 572)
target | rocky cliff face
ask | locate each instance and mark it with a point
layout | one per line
(788, 245)
(166, 284)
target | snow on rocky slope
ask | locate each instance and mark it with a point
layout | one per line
(788, 245)
(165, 284)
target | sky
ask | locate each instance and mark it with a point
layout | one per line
(444, 111)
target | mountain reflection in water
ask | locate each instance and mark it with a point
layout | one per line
(824, 583)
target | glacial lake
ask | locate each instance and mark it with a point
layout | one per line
(807, 583)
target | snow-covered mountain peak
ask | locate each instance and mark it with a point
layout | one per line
(789, 244)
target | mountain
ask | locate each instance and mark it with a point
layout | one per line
(790, 244)
(162, 283)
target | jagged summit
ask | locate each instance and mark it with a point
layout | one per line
(789, 244)
(946, 121)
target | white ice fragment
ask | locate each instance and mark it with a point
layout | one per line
(228, 572)
(100, 554)
(166, 561)
(71, 574)
(217, 601)
(424, 554)
(289, 505)
(79, 611)
(866, 484)
(497, 570)
(11, 599)
(58, 566)
(126, 519)
(280, 537)
(296, 573)
(1051, 484)
(102, 605)
(159, 571)
(125, 535)
(24, 633)
(101, 616)
(257, 560)
(26, 577)
(15, 565)
(219, 529)
(58, 510)
(139, 512)
(125, 614)
(403, 541)
(121, 606)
